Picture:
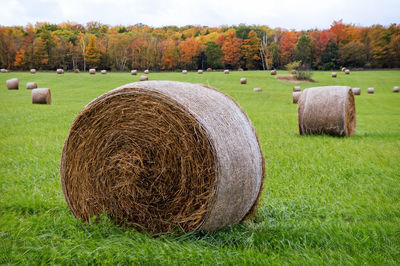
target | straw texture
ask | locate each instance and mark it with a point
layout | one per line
(41, 96)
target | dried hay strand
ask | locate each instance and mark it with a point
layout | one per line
(134, 72)
(209, 69)
(103, 72)
(147, 71)
(41, 96)
(60, 71)
(327, 110)
(92, 71)
(370, 91)
(296, 88)
(200, 71)
(334, 74)
(163, 156)
(143, 78)
(273, 72)
(296, 96)
(347, 71)
(12, 84)
(243, 81)
(33, 71)
(395, 89)
(356, 91)
(184, 71)
(76, 70)
(31, 85)
(226, 71)
(257, 89)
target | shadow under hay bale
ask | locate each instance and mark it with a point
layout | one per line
(356, 91)
(163, 156)
(12, 84)
(296, 96)
(327, 110)
(134, 72)
(41, 96)
(31, 85)
(243, 81)
(92, 71)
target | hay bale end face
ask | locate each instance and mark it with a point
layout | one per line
(296, 96)
(257, 89)
(327, 110)
(347, 71)
(273, 72)
(147, 71)
(134, 72)
(334, 75)
(92, 71)
(41, 96)
(33, 71)
(156, 156)
(31, 85)
(143, 78)
(395, 89)
(103, 72)
(60, 71)
(184, 71)
(370, 90)
(356, 91)
(296, 88)
(226, 71)
(12, 84)
(243, 81)
(200, 71)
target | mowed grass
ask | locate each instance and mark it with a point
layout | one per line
(326, 199)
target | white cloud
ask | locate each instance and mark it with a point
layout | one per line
(289, 14)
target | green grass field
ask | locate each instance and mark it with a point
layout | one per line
(326, 199)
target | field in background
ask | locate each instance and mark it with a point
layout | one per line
(326, 199)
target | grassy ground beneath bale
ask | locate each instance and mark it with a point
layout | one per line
(326, 199)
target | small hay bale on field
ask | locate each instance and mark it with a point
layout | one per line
(76, 70)
(273, 72)
(327, 110)
(395, 89)
(226, 71)
(147, 71)
(3, 70)
(103, 72)
(257, 89)
(370, 90)
(209, 69)
(334, 74)
(200, 71)
(296, 88)
(356, 91)
(343, 69)
(143, 78)
(296, 96)
(60, 71)
(92, 71)
(347, 71)
(243, 81)
(31, 85)
(12, 84)
(41, 96)
(162, 156)
(33, 71)
(184, 71)
(134, 72)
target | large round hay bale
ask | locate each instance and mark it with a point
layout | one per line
(60, 71)
(395, 89)
(347, 71)
(209, 69)
(370, 90)
(163, 156)
(103, 72)
(200, 71)
(356, 91)
(134, 72)
(273, 72)
(31, 85)
(296, 88)
(33, 71)
(296, 96)
(243, 81)
(334, 75)
(12, 84)
(226, 71)
(147, 71)
(184, 71)
(327, 110)
(143, 78)
(257, 89)
(92, 71)
(76, 70)
(41, 96)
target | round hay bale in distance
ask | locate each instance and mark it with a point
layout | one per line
(33, 71)
(143, 78)
(209, 69)
(296, 96)
(3, 70)
(92, 71)
(184, 71)
(41, 96)
(395, 89)
(31, 85)
(334, 74)
(327, 110)
(370, 90)
(134, 72)
(347, 71)
(243, 81)
(356, 91)
(60, 71)
(343, 69)
(257, 89)
(200, 71)
(76, 70)
(147, 71)
(273, 72)
(296, 88)
(163, 156)
(103, 72)
(226, 71)
(12, 84)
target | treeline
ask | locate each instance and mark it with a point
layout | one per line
(75, 46)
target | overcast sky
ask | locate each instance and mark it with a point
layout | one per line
(289, 14)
